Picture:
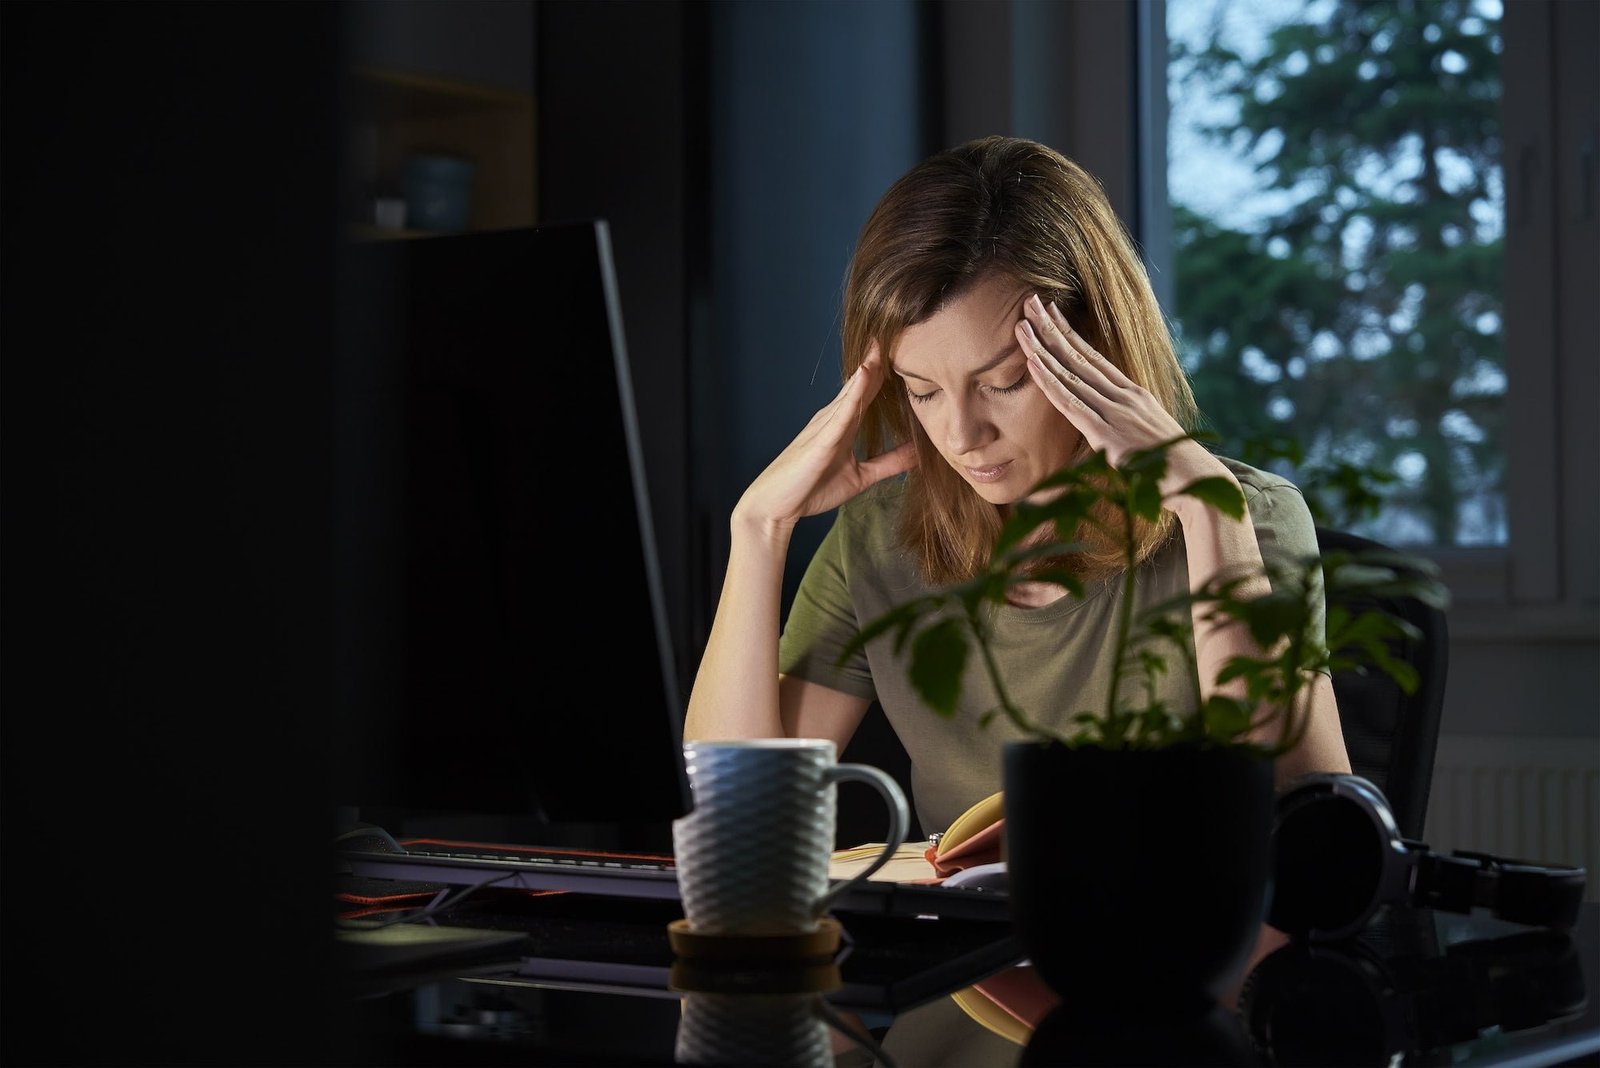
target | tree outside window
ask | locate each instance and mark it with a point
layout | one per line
(1338, 240)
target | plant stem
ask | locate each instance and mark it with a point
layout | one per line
(1124, 613)
(1295, 684)
(1012, 712)
(1191, 659)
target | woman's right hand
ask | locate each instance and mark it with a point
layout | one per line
(819, 470)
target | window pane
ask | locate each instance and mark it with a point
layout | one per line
(1338, 229)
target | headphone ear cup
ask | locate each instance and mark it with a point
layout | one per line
(1315, 1005)
(1330, 846)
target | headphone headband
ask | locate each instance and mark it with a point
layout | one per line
(1543, 895)
(1339, 857)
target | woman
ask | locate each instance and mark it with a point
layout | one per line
(998, 326)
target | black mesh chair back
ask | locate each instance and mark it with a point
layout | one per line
(1390, 735)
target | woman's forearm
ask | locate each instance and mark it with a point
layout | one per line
(1219, 546)
(735, 691)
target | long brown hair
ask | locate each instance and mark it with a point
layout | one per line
(1019, 209)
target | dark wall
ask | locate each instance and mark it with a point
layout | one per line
(166, 323)
(815, 110)
(736, 149)
(621, 136)
(486, 42)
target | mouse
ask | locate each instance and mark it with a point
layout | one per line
(368, 839)
(981, 877)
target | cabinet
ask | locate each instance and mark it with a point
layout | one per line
(396, 115)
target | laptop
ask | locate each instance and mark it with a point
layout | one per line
(513, 716)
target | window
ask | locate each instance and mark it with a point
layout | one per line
(1491, 274)
(1338, 239)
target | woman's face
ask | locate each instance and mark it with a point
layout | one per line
(967, 379)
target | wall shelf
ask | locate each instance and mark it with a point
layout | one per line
(397, 114)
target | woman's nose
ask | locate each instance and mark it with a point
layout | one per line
(967, 428)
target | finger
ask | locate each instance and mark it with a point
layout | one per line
(1084, 393)
(855, 376)
(852, 398)
(1060, 394)
(902, 457)
(1091, 356)
(870, 377)
(864, 382)
(1073, 351)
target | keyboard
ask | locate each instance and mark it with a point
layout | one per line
(631, 875)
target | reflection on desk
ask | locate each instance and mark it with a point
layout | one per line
(590, 983)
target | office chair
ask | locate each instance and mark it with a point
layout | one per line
(1390, 735)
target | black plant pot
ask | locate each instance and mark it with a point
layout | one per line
(1137, 876)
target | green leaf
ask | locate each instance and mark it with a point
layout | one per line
(1244, 667)
(901, 617)
(938, 662)
(1223, 494)
(1226, 718)
(1057, 576)
(1069, 510)
(1144, 500)
(1152, 662)
(1150, 461)
(1274, 617)
(1018, 558)
(1368, 626)
(1401, 672)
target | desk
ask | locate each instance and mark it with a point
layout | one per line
(574, 981)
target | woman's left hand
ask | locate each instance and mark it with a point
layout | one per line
(1110, 410)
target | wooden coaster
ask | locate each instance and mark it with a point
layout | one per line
(736, 977)
(808, 947)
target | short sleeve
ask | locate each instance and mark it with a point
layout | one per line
(823, 620)
(1287, 536)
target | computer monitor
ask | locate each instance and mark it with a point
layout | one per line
(504, 642)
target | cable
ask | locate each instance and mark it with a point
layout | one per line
(441, 901)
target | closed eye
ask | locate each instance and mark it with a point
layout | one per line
(1012, 388)
(993, 391)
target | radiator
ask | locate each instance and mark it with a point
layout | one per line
(1529, 798)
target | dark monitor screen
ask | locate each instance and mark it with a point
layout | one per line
(504, 646)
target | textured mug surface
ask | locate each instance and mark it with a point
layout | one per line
(754, 1029)
(752, 855)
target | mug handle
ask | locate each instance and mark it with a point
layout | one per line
(899, 822)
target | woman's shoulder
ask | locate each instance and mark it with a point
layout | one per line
(1255, 482)
(873, 514)
(1278, 508)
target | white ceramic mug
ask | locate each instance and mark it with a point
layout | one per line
(788, 1030)
(752, 855)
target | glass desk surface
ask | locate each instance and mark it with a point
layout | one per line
(564, 979)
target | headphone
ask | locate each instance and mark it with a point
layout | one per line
(1338, 858)
(1408, 997)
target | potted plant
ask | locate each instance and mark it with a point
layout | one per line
(1138, 840)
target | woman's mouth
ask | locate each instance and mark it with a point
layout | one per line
(993, 473)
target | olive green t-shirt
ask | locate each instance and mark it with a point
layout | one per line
(1055, 659)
